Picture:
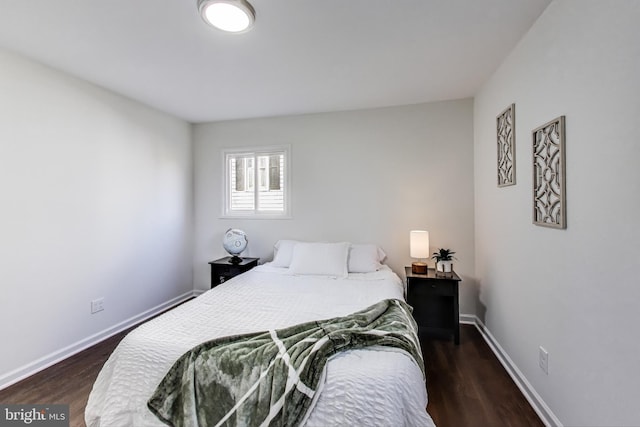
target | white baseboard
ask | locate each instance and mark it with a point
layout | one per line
(535, 400)
(468, 319)
(38, 365)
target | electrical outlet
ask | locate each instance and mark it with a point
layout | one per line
(543, 360)
(97, 305)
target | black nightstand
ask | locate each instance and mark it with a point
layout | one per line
(222, 270)
(434, 299)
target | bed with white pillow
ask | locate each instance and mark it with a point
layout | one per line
(305, 281)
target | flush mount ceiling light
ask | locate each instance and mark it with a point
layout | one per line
(233, 16)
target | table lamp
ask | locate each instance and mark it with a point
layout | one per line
(419, 248)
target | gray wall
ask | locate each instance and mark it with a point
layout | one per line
(574, 291)
(359, 176)
(96, 201)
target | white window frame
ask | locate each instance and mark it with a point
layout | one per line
(255, 152)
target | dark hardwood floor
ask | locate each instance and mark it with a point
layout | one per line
(67, 382)
(467, 385)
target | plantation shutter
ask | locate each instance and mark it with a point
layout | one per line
(240, 178)
(274, 172)
(256, 182)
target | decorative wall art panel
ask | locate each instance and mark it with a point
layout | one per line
(506, 131)
(549, 194)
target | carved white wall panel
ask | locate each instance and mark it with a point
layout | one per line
(549, 194)
(506, 131)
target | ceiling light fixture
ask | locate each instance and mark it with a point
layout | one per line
(233, 16)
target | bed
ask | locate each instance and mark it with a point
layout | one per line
(373, 386)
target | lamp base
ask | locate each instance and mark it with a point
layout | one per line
(419, 268)
(235, 260)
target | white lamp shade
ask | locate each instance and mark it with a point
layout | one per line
(419, 243)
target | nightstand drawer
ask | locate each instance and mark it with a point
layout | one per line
(226, 270)
(441, 287)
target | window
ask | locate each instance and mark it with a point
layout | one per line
(256, 182)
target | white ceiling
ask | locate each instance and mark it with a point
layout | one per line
(301, 56)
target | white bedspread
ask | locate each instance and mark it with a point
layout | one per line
(369, 387)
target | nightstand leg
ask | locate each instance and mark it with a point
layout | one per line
(456, 320)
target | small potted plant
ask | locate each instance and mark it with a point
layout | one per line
(444, 261)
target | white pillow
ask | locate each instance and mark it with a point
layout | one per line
(365, 258)
(282, 253)
(323, 259)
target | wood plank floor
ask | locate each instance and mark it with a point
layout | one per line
(67, 382)
(468, 386)
(466, 383)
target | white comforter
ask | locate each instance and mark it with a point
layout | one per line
(369, 387)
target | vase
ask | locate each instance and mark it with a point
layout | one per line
(444, 267)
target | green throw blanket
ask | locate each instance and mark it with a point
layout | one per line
(270, 378)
